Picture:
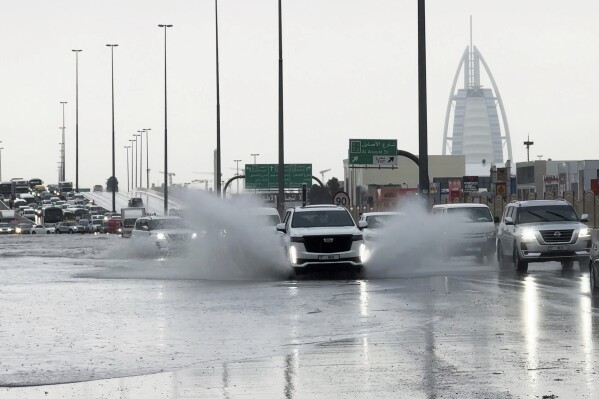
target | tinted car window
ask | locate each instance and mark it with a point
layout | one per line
(326, 218)
(555, 213)
(161, 224)
(474, 214)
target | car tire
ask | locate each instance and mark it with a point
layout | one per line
(58, 231)
(501, 261)
(48, 232)
(33, 232)
(582, 263)
(70, 231)
(520, 265)
(567, 264)
(593, 280)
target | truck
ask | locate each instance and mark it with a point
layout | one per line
(65, 187)
(19, 187)
(128, 218)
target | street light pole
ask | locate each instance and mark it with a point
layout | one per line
(218, 166)
(112, 46)
(424, 182)
(62, 159)
(147, 160)
(131, 142)
(281, 197)
(127, 148)
(136, 136)
(165, 128)
(254, 155)
(1, 148)
(141, 157)
(237, 162)
(77, 119)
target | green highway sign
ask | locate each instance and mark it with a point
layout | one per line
(266, 176)
(373, 152)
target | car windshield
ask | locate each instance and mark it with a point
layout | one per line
(4, 225)
(473, 214)
(167, 224)
(378, 221)
(328, 218)
(550, 213)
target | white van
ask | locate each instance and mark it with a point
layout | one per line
(475, 230)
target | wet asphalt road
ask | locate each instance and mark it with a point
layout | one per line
(84, 318)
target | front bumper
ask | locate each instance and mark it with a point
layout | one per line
(533, 251)
(304, 259)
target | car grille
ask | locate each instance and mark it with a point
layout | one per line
(318, 244)
(178, 237)
(555, 236)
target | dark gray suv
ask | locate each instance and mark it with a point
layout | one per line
(542, 231)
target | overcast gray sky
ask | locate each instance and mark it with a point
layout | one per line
(350, 72)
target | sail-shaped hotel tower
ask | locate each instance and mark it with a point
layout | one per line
(476, 131)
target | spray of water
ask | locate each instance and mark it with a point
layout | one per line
(418, 242)
(234, 243)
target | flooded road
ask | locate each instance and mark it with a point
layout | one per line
(82, 317)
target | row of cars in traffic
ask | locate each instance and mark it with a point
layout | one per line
(527, 232)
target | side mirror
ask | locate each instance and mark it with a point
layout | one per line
(281, 227)
(509, 221)
(496, 219)
(584, 218)
(362, 224)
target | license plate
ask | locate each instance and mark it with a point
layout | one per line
(328, 257)
(557, 247)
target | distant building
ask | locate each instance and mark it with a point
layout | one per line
(476, 131)
(404, 179)
(543, 176)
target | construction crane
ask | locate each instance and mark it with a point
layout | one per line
(170, 177)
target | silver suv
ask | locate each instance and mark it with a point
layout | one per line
(324, 236)
(542, 231)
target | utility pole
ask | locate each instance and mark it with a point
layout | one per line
(423, 179)
(528, 143)
(62, 147)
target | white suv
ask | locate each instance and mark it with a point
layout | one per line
(167, 234)
(324, 236)
(542, 231)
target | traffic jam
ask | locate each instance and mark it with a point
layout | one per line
(325, 237)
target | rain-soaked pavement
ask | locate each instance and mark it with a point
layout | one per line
(82, 318)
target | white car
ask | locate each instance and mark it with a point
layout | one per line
(323, 237)
(28, 213)
(41, 229)
(473, 230)
(167, 234)
(6, 228)
(377, 221)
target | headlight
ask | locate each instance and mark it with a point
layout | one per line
(18, 230)
(363, 255)
(160, 236)
(194, 235)
(292, 255)
(528, 235)
(585, 232)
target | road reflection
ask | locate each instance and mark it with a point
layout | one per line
(586, 331)
(531, 330)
